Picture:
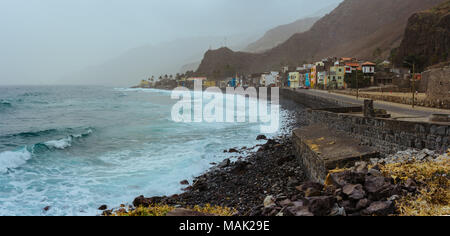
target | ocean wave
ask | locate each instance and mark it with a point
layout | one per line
(13, 159)
(5, 104)
(33, 134)
(66, 142)
(145, 90)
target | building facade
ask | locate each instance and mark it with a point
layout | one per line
(294, 79)
(337, 76)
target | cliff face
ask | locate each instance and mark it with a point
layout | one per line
(427, 37)
(356, 28)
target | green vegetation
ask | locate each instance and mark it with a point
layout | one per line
(357, 80)
(162, 210)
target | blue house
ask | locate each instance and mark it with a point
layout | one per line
(307, 80)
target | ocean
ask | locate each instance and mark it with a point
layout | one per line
(76, 148)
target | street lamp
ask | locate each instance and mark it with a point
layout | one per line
(413, 82)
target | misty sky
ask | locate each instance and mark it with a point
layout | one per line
(43, 40)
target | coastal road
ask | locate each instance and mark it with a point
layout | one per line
(397, 110)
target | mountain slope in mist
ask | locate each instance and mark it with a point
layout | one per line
(365, 29)
(280, 34)
(146, 61)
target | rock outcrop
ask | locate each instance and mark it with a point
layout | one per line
(427, 37)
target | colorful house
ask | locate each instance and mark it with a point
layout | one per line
(144, 84)
(307, 80)
(182, 82)
(322, 78)
(294, 79)
(209, 83)
(312, 77)
(368, 67)
(337, 76)
(352, 66)
(233, 83)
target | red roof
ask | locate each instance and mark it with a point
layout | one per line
(368, 63)
(346, 59)
(352, 64)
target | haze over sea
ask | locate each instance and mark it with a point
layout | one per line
(76, 148)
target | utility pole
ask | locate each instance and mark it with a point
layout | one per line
(413, 85)
(357, 85)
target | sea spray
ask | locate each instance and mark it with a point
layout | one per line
(13, 159)
(136, 149)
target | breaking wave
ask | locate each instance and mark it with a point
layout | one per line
(66, 142)
(10, 160)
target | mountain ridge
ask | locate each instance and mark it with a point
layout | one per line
(367, 29)
(280, 34)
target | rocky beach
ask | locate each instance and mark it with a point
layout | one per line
(271, 181)
(244, 184)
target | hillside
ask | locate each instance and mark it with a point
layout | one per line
(280, 34)
(427, 38)
(367, 29)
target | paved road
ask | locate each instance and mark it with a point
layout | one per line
(399, 109)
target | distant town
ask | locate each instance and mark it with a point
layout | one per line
(330, 73)
(346, 75)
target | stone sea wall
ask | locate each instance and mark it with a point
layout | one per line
(440, 102)
(387, 135)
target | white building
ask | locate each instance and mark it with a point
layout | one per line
(368, 68)
(269, 80)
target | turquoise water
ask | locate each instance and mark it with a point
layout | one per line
(76, 148)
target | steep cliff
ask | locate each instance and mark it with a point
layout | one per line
(366, 29)
(427, 38)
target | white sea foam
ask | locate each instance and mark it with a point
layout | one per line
(66, 142)
(60, 144)
(11, 160)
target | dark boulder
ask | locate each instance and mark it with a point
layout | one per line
(340, 179)
(380, 208)
(103, 207)
(224, 163)
(321, 206)
(261, 137)
(241, 167)
(146, 202)
(233, 150)
(363, 203)
(354, 191)
(378, 187)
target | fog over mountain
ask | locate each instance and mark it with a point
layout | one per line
(280, 34)
(152, 60)
(55, 42)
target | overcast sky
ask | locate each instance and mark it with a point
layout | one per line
(42, 40)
